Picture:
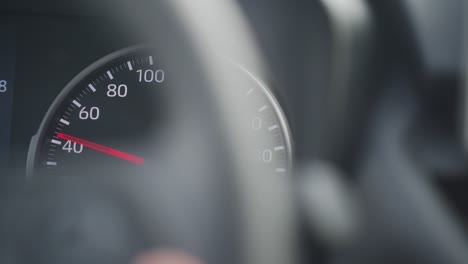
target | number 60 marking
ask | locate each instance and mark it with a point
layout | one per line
(92, 114)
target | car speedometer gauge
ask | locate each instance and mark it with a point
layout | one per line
(106, 112)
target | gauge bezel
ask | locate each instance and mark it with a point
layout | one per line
(37, 140)
(283, 122)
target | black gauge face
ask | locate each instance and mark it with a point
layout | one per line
(110, 113)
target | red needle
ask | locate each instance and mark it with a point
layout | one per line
(106, 150)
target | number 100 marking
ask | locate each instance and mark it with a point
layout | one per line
(150, 76)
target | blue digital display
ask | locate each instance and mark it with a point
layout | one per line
(7, 77)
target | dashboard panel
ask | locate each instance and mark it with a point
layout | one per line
(352, 138)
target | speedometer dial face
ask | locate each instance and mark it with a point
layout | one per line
(110, 113)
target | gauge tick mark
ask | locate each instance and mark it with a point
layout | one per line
(75, 102)
(110, 75)
(65, 122)
(273, 127)
(90, 86)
